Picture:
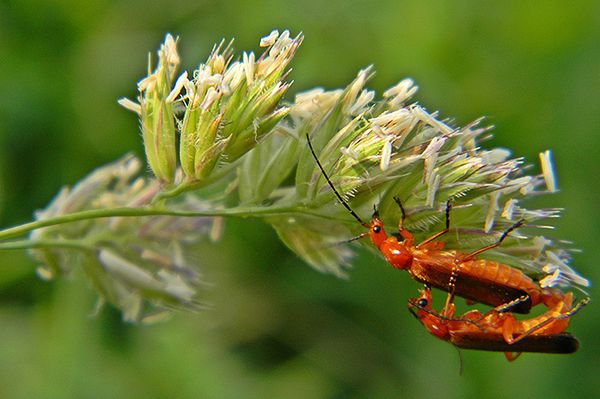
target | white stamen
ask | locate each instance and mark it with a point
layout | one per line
(169, 50)
(218, 64)
(146, 83)
(353, 90)
(211, 96)
(429, 119)
(386, 155)
(233, 75)
(130, 105)
(567, 271)
(430, 162)
(496, 155)
(280, 45)
(551, 280)
(350, 153)
(402, 91)
(363, 100)
(181, 81)
(176, 286)
(268, 40)
(44, 273)
(491, 213)
(248, 62)
(434, 184)
(127, 271)
(434, 146)
(509, 209)
(378, 131)
(548, 171)
(396, 123)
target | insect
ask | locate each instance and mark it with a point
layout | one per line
(499, 331)
(481, 280)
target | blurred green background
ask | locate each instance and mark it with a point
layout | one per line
(278, 328)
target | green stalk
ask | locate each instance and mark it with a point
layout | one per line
(29, 244)
(16, 231)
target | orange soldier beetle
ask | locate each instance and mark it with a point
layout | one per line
(499, 331)
(481, 280)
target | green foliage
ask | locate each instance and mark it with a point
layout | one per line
(279, 329)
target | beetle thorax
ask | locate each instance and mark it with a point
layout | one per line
(396, 253)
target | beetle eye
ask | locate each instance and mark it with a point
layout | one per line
(422, 303)
(376, 229)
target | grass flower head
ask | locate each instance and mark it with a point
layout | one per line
(220, 141)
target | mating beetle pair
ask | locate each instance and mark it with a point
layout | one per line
(505, 288)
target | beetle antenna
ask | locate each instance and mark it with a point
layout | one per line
(358, 237)
(461, 364)
(337, 194)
